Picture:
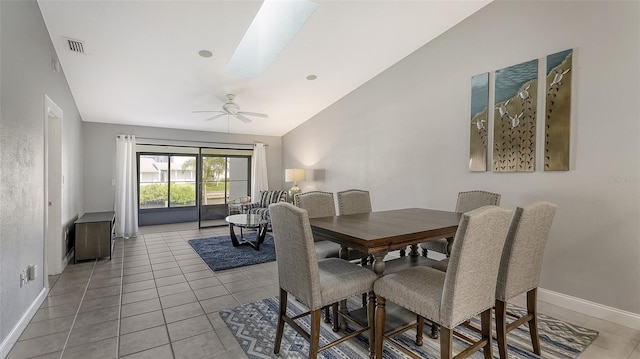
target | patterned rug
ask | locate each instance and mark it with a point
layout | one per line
(254, 327)
(220, 254)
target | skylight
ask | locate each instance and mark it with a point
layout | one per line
(274, 26)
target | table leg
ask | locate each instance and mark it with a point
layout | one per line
(414, 250)
(344, 254)
(234, 239)
(378, 264)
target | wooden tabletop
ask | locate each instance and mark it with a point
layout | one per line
(387, 230)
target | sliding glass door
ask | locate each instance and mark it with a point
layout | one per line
(224, 176)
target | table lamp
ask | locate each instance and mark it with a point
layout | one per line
(294, 175)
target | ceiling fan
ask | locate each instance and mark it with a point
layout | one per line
(230, 108)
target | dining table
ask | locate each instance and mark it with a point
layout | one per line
(378, 233)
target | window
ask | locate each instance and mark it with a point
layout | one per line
(166, 180)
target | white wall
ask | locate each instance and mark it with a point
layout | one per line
(404, 135)
(100, 153)
(26, 76)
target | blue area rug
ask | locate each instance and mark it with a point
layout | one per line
(220, 254)
(254, 327)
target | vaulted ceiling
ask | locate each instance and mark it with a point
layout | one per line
(141, 64)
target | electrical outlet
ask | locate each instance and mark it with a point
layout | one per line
(32, 271)
(23, 278)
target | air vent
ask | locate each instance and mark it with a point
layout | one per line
(75, 46)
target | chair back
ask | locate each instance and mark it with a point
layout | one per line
(470, 200)
(354, 201)
(523, 250)
(317, 203)
(269, 197)
(295, 252)
(470, 280)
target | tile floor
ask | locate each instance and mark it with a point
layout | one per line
(157, 299)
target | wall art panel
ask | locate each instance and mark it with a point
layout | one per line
(558, 111)
(514, 128)
(479, 123)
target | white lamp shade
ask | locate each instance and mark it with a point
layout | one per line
(294, 175)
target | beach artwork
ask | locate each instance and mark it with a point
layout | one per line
(479, 123)
(514, 125)
(557, 127)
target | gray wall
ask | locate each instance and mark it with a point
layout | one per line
(100, 150)
(26, 76)
(404, 135)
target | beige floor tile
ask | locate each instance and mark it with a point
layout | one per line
(104, 349)
(198, 346)
(38, 346)
(189, 328)
(184, 311)
(92, 333)
(141, 307)
(174, 279)
(141, 321)
(178, 299)
(143, 340)
(161, 352)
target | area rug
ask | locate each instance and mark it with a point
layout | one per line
(254, 327)
(220, 254)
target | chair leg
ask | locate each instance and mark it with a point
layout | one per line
(533, 323)
(419, 330)
(501, 327)
(434, 330)
(314, 340)
(485, 320)
(381, 314)
(283, 312)
(372, 325)
(336, 325)
(446, 343)
(326, 315)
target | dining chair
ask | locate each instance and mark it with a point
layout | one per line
(319, 204)
(322, 204)
(467, 201)
(520, 270)
(315, 283)
(353, 201)
(453, 297)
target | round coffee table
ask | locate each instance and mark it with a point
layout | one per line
(251, 221)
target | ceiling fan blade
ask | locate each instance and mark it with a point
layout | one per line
(204, 111)
(214, 117)
(253, 114)
(242, 118)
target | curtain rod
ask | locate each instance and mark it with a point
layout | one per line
(176, 142)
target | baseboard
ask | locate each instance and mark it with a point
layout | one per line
(614, 315)
(15, 333)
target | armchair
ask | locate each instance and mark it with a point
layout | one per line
(262, 206)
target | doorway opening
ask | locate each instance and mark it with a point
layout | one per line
(54, 249)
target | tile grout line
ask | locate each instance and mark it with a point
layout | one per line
(75, 317)
(120, 306)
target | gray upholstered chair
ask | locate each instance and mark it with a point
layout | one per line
(319, 204)
(467, 201)
(520, 269)
(315, 283)
(353, 201)
(261, 207)
(451, 298)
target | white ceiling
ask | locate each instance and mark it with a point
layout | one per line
(142, 66)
